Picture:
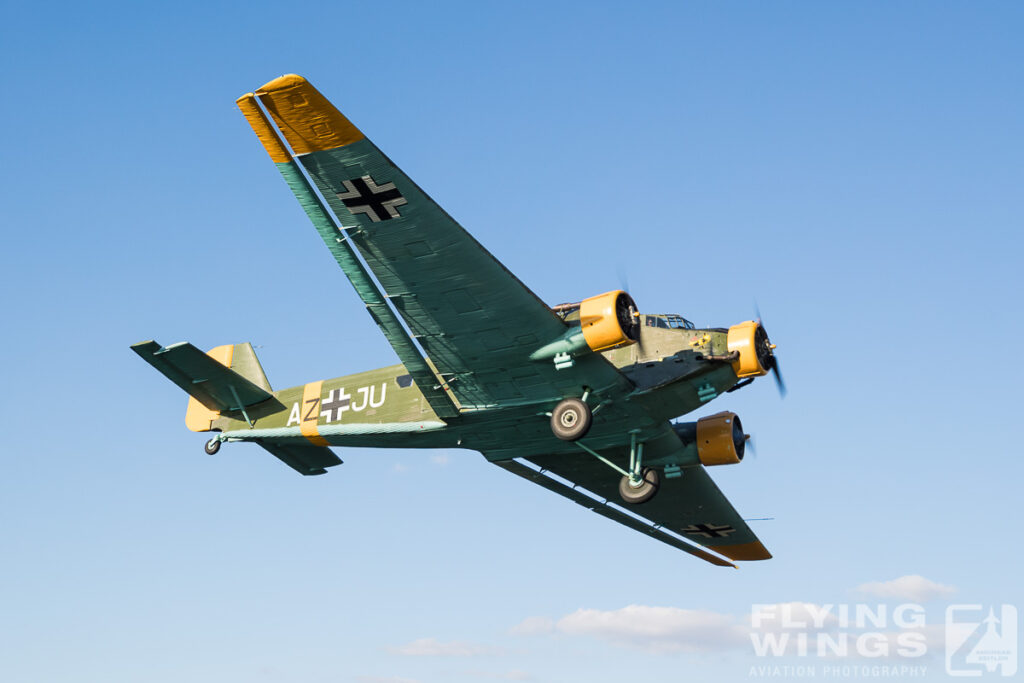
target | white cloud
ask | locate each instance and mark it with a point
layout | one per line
(793, 629)
(513, 675)
(440, 459)
(532, 626)
(913, 587)
(934, 636)
(658, 629)
(399, 468)
(385, 679)
(431, 647)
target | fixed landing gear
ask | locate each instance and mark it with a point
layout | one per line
(640, 490)
(212, 446)
(571, 419)
(638, 483)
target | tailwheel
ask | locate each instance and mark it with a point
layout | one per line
(212, 446)
(640, 490)
(571, 419)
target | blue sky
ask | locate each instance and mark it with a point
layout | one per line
(854, 167)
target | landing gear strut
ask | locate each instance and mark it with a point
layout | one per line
(638, 483)
(641, 483)
(571, 419)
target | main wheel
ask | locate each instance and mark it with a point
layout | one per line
(571, 419)
(212, 446)
(636, 494)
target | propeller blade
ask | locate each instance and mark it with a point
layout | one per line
(623, 278)
(778, 377)
(640, 345)
(779, 384)
(624, 286)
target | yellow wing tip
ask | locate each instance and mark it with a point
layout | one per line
(746, 552)
(261, 126)
(306, 119)
(282, 83)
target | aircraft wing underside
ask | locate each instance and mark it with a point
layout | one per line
(689, 507)
(607, 508)
(476, 321)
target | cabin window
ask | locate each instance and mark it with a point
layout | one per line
(670, 322)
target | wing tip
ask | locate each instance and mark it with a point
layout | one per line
(306, 119)
(261, 126)
(281, 83)
(745, 552)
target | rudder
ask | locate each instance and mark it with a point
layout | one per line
(228, 379)
(238, 357)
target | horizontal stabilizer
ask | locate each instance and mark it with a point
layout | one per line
(211, 383)
(304, 458)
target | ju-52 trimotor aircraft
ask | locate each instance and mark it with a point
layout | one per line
(578, 398)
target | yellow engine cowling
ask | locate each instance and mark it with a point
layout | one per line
(720, 439)
(751, 342)
(609, 320)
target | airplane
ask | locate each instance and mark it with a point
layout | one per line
(579, 398)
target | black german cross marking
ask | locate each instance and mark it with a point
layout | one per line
(379, 202)
(336, 403)
(709, 530)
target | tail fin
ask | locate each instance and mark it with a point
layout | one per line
(242, 359)
(228, 379)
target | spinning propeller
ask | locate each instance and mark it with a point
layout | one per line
(769, 359)
(624, 286)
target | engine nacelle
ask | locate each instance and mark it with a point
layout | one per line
(750, 342)
(609, 320)
(720, 439)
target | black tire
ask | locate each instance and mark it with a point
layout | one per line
(571, 419)
(212, 446)
(642, 493)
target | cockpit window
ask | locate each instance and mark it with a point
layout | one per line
(670, 321)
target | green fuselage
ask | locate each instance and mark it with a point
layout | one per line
(384, 407)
